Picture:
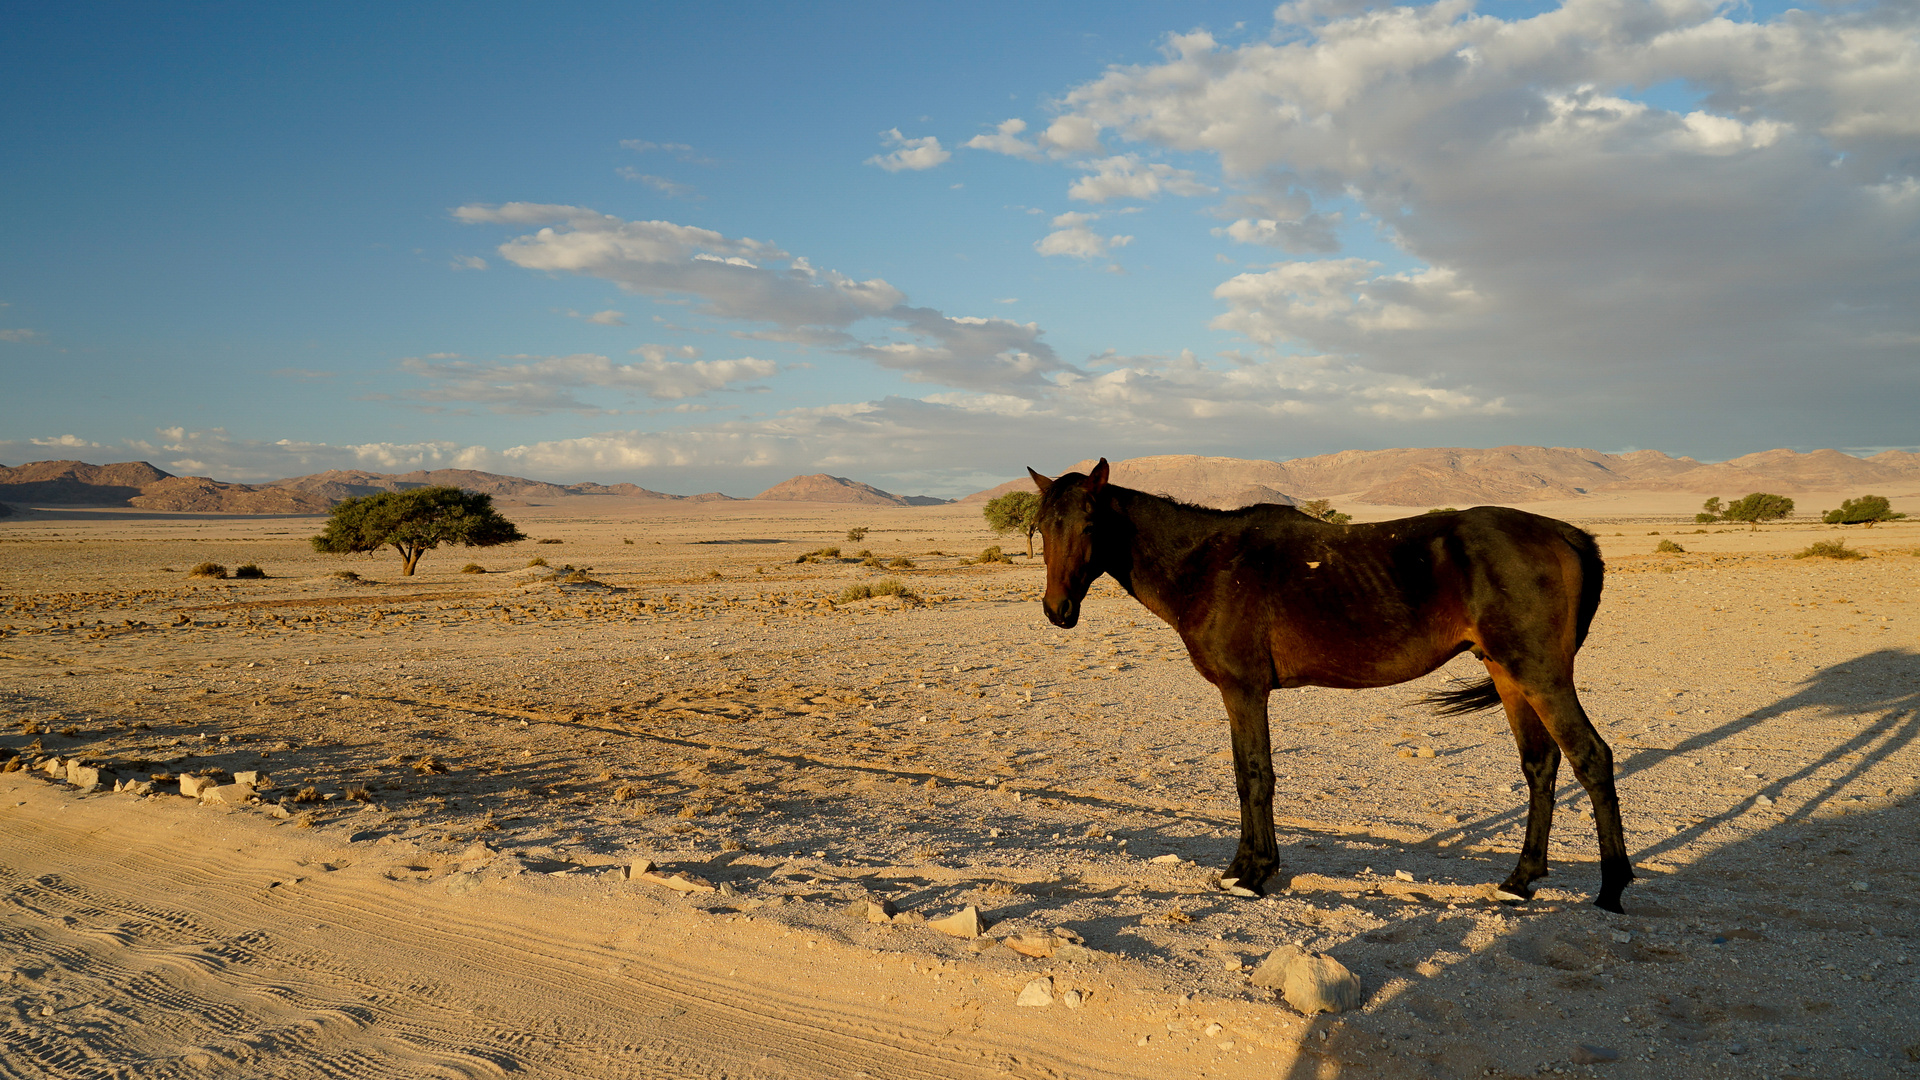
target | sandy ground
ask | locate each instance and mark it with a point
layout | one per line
(466, 762)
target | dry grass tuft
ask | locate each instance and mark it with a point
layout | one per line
(249, 570)
(1668, 547)
(1830, 549)
(208, 570)
(883, 587)
(473, 568)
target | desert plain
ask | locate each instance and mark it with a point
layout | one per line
(444, 870)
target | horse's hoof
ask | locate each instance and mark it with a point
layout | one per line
(1609, 903)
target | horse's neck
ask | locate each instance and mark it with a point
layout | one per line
(1155, 536)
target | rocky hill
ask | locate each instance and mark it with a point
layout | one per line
(139, 484)
(1507, 474)
(820, 487)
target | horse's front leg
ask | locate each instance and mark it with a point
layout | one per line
(1259, 854)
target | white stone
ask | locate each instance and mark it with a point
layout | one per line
(253, 778)
(1036, 994)
(192, 786)
(1310, 982)
(226, 795)
(1165, 859)
(1403, 875)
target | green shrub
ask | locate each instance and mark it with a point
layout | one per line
(208, 570)
(1443, 510)
(1829, 549)
(854, 536)
(249, 570)
(993, 555)
(819, 555)
(1668, 547)
(1864, 510)
(473, 568)
(1014, 512)
(901, 563)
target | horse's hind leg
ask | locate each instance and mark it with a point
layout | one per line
(1540, 762)
(1259, 853)
(1592, 761)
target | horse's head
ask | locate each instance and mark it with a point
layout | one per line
(1066, 522)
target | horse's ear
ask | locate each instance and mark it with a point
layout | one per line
(1039, 481)
(1098, 478)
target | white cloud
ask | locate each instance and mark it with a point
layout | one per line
(1071, 135)
(66, 442)
(731, 276)
(1072, 237)
(969, 352)
(672, 189)
(542, 384)
(467, 262)
(912, 154)
(20, 335)
(682, 151)
(1127, 177)
(1006, 140)
(1558, 232)
(608, 317)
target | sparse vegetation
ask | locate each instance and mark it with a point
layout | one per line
(1710, 512)
(208, 570)
(473, 568)
(346, 575)
(854, 536)
(578, 577)
(714, 575)
(536, 561)
(819, 555)
(1829, 549)
(1864, 510)
(415, 522)
(1014, 512)
(549, 540)
(1668, 547)
(1444, 510)
(1323, 509)
(249, 570)
(883, 587)
(993, 555)
(626, 541)
(901, 563)
(1758, 507)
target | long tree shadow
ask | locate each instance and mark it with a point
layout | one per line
(1787, 952)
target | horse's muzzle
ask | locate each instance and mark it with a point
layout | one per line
(1063, 614)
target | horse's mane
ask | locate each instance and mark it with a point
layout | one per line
(1237, 512)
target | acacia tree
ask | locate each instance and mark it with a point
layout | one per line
(415, 522)
(1758, 507)
(1864, 510)
(1323, 509)
(1014, 512)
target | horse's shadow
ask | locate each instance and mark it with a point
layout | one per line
(1439, 1002)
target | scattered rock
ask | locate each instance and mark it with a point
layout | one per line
(1036, 994)
(1859, 886)
(639, 868)
(87, 777)
(1076, 952)
(55, 767)
(133, 787)
(1311, 982)
(1763, 800)
(880, 911)
(1072, 999)
(680, 881)
(279, 812)
(1169, 858)
(965, 923)
(1586, 1054)
(1038, 946)
(192, 786)
(1403, 875)
(226, 795)
(253, 778)
(1622, 936)
(910, 918)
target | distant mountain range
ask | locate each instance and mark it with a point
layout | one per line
(1412, 477)
(1508, 474)
(139, 484)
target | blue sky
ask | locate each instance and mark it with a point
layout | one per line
(253, 241)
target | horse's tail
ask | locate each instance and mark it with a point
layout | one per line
(1462, 700)
(1593, 575)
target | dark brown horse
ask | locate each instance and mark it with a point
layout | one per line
(1267, 597)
